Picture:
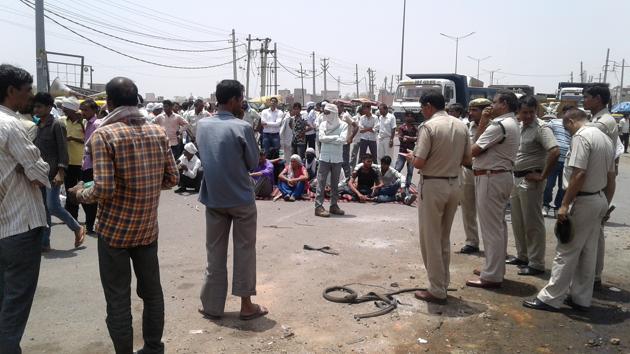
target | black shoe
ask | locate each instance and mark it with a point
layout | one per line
(516, 261)
(536, 304)
(180, 190)
(530, 271)
(468, 249)
(569, 302)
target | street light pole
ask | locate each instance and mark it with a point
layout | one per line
(402, 46)
(456, 39)
(478, 62)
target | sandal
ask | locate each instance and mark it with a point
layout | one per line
(260, 312)
(78, 242)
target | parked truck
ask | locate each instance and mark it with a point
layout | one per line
(455, 88)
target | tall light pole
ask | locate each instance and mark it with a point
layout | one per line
(492, 74)
(402, 46)
(41, 61)
(456, 39)
(478, 62)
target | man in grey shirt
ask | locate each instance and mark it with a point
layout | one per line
(228, 151)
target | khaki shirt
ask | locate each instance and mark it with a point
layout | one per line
(442, 142)
(593, 152)
(536, 139)
(498, 155)
(605, 122)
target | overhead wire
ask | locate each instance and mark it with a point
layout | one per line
(130, 56)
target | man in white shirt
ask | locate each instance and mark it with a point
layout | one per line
(386, 132)
(367, 131)
(193, 116)
(190, 170)
(624, 129)
(172, 123)
(312, 111)
(271, 120)
(22, 211)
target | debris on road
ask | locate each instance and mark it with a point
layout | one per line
(422, 341)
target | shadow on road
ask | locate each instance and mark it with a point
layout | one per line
(457, 308)
(614, 224)
(62, 254)
(231, 320)
(516, 289)
(601, 314)
(615, 296)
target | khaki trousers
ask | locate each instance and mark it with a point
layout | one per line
(469, 208)
(601, 252)
(528, 223)
(218, 223)
(436, 210)
(573, 270)
(493, 193)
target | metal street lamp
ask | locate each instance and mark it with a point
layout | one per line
(478, 62)
(402, 46)
(456, 39)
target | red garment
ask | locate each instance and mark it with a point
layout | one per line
(291, 173)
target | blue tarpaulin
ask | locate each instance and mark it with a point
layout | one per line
(623, 107)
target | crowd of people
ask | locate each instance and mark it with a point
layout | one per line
(492, 155)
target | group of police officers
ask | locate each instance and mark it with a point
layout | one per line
(503, 157)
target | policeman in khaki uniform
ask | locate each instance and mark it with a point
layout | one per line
(468, 202)
(596, 99)
(443, 146)
(589, 179)
(535, 160)
(494, 153)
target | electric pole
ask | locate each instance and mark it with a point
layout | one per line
(581, 72)
(391, 85)
(479, 60)
(623, 65)
(302, 78)
(356, 78)
(571, 76)
(234, 52)
(314, 93)
(264, 50)
(41, 60)
(275, 69)
(456, 39)
(402, 46)
(606, 65)
(249, 56)
(371, 81)
(325, 70)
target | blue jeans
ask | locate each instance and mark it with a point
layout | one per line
(554, 178)
(271, 140)
(388, 193)
(20, 257)
(295, 191)
(54, 208)
(400, 163)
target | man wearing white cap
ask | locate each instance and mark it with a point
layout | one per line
(190, 170)
(333, 134)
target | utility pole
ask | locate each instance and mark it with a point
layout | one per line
(606, 65)
(623, 65)
(234, 52)
(479, 60)
(456, 39)
(249, 56)
(581, 72)
(314, 93)
(264, 50)
(325, 70)
(494, 71)
(302, 79)
(371, 75)
(41, 61)
(571, 76)
(402, 46)
(600, 78)
(356, 77)
(275, 69)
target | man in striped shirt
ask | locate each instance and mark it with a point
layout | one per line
(555, 178)
(132, 163)
(22, 211)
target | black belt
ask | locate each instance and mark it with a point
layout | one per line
(519, 174)
(438, 177)
(583, 194)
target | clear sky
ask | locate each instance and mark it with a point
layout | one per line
(533, 42)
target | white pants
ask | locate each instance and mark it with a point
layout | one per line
(383, 149)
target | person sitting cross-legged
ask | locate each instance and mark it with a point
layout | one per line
(392, 181)
(366, 180)
(190, 170)
(293, 180)
(262, 177)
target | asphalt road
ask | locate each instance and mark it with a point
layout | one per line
(378, 246)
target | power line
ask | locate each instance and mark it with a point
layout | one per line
(129, 40)
(133, 57)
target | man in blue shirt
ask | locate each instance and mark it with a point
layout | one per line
(555, 178)
(228, 151)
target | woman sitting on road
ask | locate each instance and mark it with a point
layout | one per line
(293, 180)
